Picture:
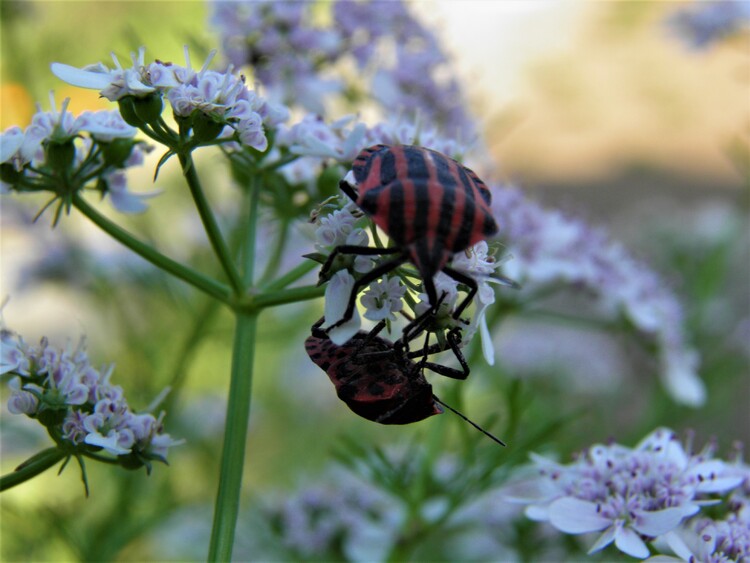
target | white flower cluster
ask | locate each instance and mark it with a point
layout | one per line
(221, 96)
(385, 297)
(60, 388)
(629, 495)
(25, 150)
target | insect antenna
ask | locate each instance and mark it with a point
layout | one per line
(474, 424)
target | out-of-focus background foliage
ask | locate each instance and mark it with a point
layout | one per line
(596, 107)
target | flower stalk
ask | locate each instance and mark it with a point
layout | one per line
(210, 224)
(215, 289)
(235, 438)
(32, 467)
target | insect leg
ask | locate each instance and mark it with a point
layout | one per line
(468, 281)
(348, 189)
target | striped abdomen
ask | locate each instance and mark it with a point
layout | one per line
(425, 201)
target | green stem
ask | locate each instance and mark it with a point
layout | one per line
(32, 467)
(238, 405)
(210, 224)
(284, 296)
(292, 275)
(235, 437)
(207, 285)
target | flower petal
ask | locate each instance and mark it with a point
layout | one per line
(576, 516)
(336, 300)
(658, 522)
(82, 78)
(631, 543)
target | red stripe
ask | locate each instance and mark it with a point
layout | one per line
(435, 192)
(406, 228)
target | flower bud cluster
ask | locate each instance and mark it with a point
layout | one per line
(203, 101)
(79, 406)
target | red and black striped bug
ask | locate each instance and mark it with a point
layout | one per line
(379, 381)
(373, 380)
(430, 206)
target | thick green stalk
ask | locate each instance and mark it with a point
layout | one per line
(238, 405)
(32, 467)
(235, 437)
(210, 224)
(209, 286)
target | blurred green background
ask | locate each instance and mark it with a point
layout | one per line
(591, 106)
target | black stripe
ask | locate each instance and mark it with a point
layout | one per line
(387, 167)
(447, 203)
(463, 237)
(417, 172)
(363, 163)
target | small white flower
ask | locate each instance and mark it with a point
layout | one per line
(333, 229)
(113, 83)
(14, 353)
(313, 137)
(11, 141)
(383, 299)
(21, 401)
(477, 263)
(551, 250)
(447, 290)
(111, 442)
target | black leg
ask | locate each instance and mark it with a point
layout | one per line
(348, 189)
(453, 339)
(469, 282)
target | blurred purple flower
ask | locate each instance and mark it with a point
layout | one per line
(293, 56)
(704, 23)
(551, 250)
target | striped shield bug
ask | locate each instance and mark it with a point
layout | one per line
(379, 381)
(372, 378)
(430, 206)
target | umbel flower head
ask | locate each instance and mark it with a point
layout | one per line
(83, 412)
(64, 154)
(627, 495)
(205, 101)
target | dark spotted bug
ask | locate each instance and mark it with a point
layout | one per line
(430, 206)
(374, 380)
(379, 381)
